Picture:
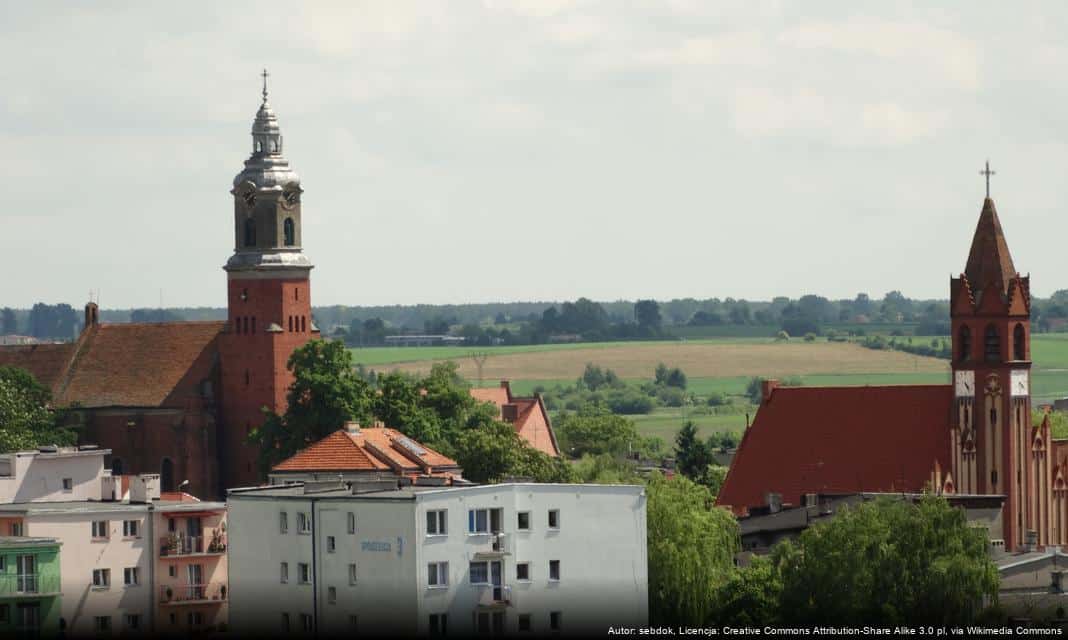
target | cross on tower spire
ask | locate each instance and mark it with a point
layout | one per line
(985, 172)
(265, 75)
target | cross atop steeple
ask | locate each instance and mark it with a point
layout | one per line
(985, 172)
(265, 75)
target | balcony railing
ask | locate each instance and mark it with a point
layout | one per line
(499, 545)
(173, 545)
(192, 593)
(494, 596)
(28, 584)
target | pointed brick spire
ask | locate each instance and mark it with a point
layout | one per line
(989, 260)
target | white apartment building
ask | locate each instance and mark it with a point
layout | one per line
(459, 560)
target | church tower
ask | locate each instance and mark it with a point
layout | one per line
(995, 450)
(268, 295)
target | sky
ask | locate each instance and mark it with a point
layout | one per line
(507, 150)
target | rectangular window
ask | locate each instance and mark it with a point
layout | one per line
(439, 623)
(100, 529)
(331, 544)
(285, 622)
(554, 569)
(304, 572)
(354, 623)
(523, 521)
(194, 618)
(131, 529)
(554, 620)
(479, 572)
(283, 524)
(524, 622)
(306, 621)
(285, 573)
(435, 523)
(101, 578)
(352, 574)
(16, 528)
(102, 623)
(68, 485)
(303, 523)
(522, 571)
(478, 521)
(437, 574)
(172, 571)
(331, 595)
(133, 621)
(554, 518)
(131, 576)
(352, 522)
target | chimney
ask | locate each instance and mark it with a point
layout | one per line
(352, 426)
(144, 488)
(766, 387)
(509, 412)
(774, 501)
(92, 314)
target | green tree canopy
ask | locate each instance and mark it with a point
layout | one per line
(26, 421)
(692, 456)
(595, 431)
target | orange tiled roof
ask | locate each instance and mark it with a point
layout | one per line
(369, 449)
(47, 362)
(531, 420)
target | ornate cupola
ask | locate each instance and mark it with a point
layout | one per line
(267, 195)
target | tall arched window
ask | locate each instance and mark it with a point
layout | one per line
(288, 232)
(964, 343)
(992, 344)
(166, 475)
(1019, 343)
(250, 232)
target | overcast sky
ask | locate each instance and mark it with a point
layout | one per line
(534, 150)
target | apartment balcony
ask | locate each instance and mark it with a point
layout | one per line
(498, 546)
(174, 546)
(494, 596)
(212, 593)
(29, 585)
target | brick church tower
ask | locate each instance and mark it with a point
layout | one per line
(994, 447)
(268, 296)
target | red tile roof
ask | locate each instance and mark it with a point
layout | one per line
(47, 362)
(989, 261)
(840, 439)
(370, 449)
(530, 418)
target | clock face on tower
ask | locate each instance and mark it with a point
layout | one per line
(1019, 383)
(964, 382)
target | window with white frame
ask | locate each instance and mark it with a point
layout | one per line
(133, 621)
(283, 523)
(439, 623)
(172, 571)
(352, 573)
(100, 529)
(554, 570)
(306, 621)
(437, 574)
(331, 544)
(523, 521)
(478, 521)
(16, 528)
(436, 523)
(331, 595)
(68, 485)
(522, 571)
(101, 578)
(303, 523)
(554, 518)
(131, 576)
(284, 573)
(352, 522)
(304, 573)
(479, 572)
(131, 529)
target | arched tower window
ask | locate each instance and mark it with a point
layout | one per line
(992, 344)
(964, 343)
(166, 475)
(250, 232)
(288, 232)
(1019, 343)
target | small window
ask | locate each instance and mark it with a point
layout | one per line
(248, 378)
(992, 344)
(131, 576)
(352, 574)
(437, 574)
(303, 324)
(101, 578)
(303, 523)
(354, 623)
(172, 571)
(435, 523)
(522, 571)
(283, 522)
(1019, 343)
(554, 518)
(100, 529)
(523, 523)
(479, 572)
(305, 573)
(331, 544)
(194, 618)
(102, 623)
(554, 620)
(131, 529)
(439, 623)
(352, 522)
(554, 570)
(306, 621)
(68, 485)
(524, 622)
(288, 232)
(284, 576)
(964, 343)
(331, 595)
(16, 529)
(285, 622)
(478, 521)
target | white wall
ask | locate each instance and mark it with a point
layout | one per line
(80, 554)
(39, 478)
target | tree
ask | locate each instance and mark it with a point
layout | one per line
(493, 452)
(692, 456)
(887, 561)
(647, 314)
(593, 377)
(595, 431)
(750, 596)
(53, 321)
(155, 315)
(8, 323)
(691, 547)
(25, 417)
